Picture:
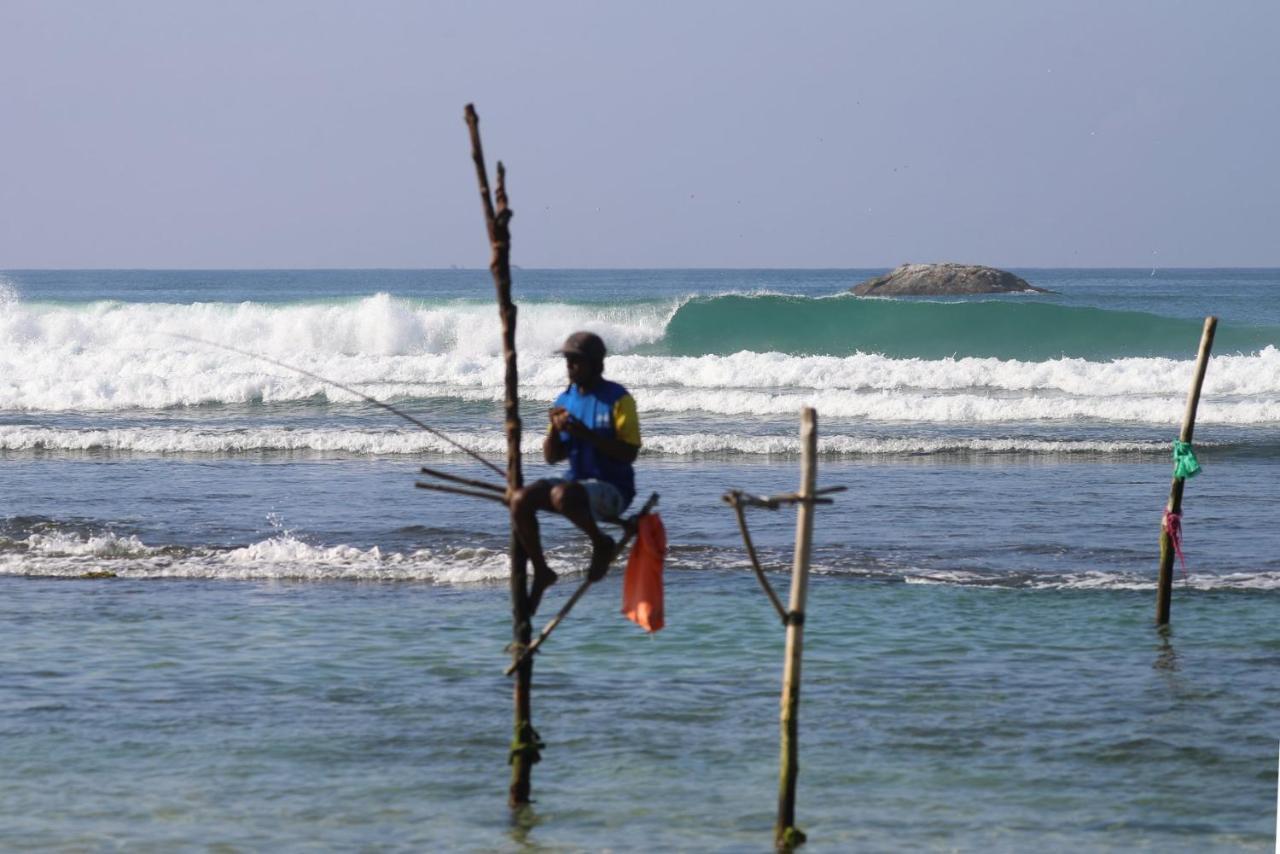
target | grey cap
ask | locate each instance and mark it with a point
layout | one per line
(586, 344)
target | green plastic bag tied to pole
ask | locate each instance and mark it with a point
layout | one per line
(1185, 464)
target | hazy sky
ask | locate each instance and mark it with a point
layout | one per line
(656, 134)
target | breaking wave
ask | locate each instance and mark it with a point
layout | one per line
(1023, 329)
(113, 356)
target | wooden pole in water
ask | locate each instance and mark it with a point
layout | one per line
(1164, 583)
(786, 834)
(525, 744)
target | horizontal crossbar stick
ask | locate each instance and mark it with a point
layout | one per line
(482, 484)
(457, 490)
(773, 502)
(629, 531)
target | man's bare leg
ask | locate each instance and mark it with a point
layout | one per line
(570, 499)
(524, 513)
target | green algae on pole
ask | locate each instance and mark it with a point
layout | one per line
(1164, 582)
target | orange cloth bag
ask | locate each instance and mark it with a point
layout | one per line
(642, 585)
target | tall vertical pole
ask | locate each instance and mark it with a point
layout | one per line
(525, 744)
(1164, 583)
(786, 834)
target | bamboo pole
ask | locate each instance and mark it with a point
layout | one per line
(786, 834)
(1164, 582)
(525, 743)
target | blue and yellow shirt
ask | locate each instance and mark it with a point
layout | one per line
(610, 410)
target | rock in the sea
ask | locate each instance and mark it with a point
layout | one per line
(928, 280)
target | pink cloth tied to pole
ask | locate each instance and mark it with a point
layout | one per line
(642, 585)
(1173, 527)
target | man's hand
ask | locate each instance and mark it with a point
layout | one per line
(554, 450)
(563, 422)
(559, 419)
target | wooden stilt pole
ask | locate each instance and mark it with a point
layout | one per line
(525, 743)
(786, 834)
(1164, 583)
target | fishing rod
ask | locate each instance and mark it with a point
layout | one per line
(406, 416)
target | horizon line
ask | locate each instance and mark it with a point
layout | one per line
(514, 267)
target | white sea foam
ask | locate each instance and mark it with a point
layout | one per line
(65, 544)
(111, 355)
(887, 406)
(1192, 580)
(1230, 374)
(281, 557)
(119, 356)
(907, 405)
(1096, 580)
(287, 557)
(161, 440)
(8, 294)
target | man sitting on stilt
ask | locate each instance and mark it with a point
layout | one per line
(593, 424)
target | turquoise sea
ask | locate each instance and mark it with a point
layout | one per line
(297, 650)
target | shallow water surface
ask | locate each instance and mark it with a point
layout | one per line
(286, 714)
(300, 650)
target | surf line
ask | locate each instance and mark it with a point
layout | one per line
(349, 390)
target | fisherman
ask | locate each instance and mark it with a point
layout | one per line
(593, 424)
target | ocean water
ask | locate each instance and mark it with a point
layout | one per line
(298, 649)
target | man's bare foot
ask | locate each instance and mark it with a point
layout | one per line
(602, 551)
(543, 577)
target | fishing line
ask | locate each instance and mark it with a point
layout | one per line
(406, 416)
